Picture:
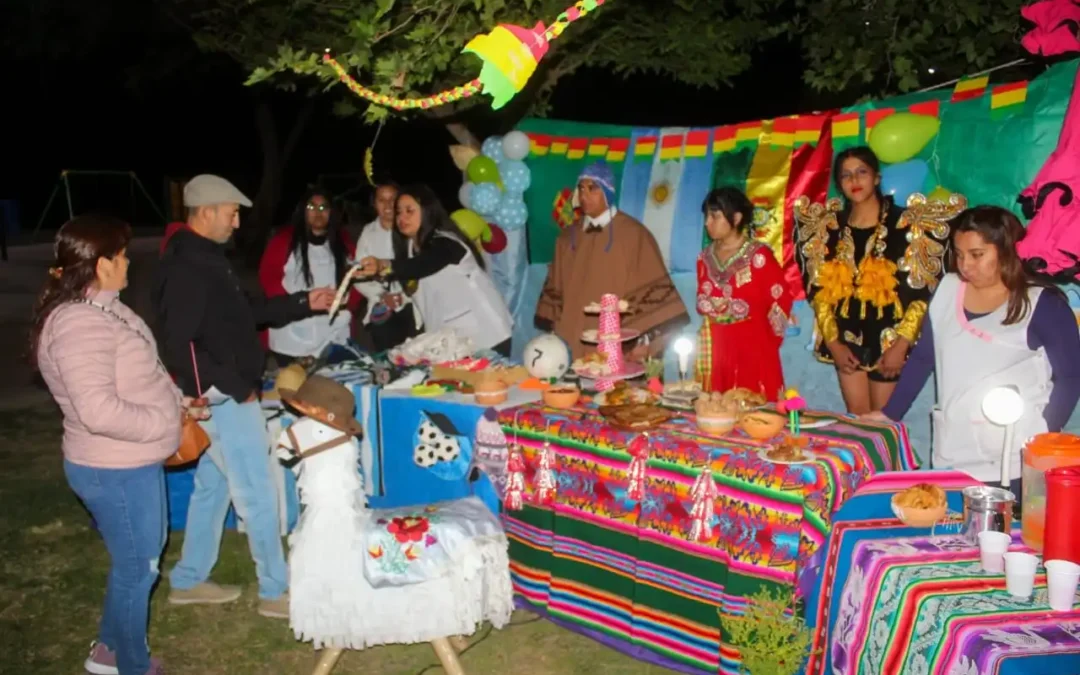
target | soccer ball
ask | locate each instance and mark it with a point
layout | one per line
(547, 357)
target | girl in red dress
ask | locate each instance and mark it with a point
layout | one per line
(743, 301)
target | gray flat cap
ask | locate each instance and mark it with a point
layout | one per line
(210, 190)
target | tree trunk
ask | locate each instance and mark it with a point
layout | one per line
(275, 158)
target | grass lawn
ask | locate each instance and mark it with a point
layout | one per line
(52, 581)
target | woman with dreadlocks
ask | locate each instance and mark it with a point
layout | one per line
(312, 251)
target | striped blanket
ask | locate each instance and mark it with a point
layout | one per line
(896, 599)
(628, 570)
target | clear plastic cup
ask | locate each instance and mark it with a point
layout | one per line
(1062, 577)
(1020, 573)
(992, 548)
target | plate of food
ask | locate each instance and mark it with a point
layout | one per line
(792, 450)
(624, 394)
(625, 335)
(742, 399)
(921, 505)
(594, 307)
(594, 366)
(635, 416)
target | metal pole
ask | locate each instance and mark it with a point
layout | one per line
(149, 198)
(45, 212)
(67, 188)
(131, 195)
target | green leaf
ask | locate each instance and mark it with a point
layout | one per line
(383, 7)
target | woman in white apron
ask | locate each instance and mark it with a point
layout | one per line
(452, 287)
(990, 325)
(311, 252)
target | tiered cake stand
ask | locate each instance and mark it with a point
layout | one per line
(610, 337)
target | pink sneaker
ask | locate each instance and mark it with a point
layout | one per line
(102, 660)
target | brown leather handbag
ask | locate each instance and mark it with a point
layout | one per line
(193, 438)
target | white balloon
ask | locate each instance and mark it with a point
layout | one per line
(463, 193)
(515, 145)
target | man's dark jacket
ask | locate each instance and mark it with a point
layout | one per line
(199, 302)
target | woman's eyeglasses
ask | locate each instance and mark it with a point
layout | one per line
(318, 207)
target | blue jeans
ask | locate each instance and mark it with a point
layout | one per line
(236, 468)
(128, 506)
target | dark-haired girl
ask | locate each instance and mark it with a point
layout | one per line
(312, 251)
(452, 288)
(991, 325)
(122, 417)
(869, 269)
(743, 301)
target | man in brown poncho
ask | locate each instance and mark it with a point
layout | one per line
(608, 252)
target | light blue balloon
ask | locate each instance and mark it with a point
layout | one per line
(903, 179)
(516, 176)
(512, 213)
(492, 147)
(484, 198)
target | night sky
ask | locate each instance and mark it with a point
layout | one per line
(76, 111)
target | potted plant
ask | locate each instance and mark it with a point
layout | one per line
(771, 637)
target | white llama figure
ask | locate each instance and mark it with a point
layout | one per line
(359, 578)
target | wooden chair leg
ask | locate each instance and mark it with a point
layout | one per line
(459, 642)
(447, 656)
(327, 661)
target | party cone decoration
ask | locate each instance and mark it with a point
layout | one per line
(510, 54)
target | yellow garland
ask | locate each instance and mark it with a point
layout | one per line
(837, 283)
(877, 286)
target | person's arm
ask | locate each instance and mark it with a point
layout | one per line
(438, 252)
(372, 290)
(182, 305)
(1053, 327)
(774, 295)
(86, 357)
(913, 377)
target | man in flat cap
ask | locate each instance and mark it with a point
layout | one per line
(209, 329)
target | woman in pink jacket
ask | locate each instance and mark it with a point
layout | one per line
(122, 418)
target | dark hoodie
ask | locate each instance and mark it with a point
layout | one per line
(200, 304)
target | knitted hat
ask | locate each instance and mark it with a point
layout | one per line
(490, 447)
(601, 174)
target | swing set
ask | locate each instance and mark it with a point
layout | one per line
(115, 179)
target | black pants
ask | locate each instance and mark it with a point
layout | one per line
(397, 329)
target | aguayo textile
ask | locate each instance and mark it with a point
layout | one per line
(923, 605)
(613, 545)
(867, 515)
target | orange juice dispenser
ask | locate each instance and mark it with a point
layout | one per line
(1042, 453)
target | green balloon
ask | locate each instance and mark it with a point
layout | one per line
(899, 137)
(483, 169)
(471, 224)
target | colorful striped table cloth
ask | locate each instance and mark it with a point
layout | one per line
(628, 572)
(922, 604)
(865, 516)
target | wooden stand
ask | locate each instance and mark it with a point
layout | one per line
(446, 649)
